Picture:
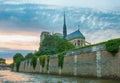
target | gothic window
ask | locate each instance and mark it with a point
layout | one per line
(78, 42)
(75, 43)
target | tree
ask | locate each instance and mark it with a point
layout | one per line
(34, 61)
(48, 45)
(36, 53)
(53, 44)
(29, 56)
(64, 45)
(2, 61)
(17, 58)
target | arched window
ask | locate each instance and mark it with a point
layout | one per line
(75, 43)
(78, 42)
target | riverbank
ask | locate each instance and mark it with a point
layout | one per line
(80, 76)
(90, 62)
(15, 77)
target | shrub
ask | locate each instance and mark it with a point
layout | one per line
(48, 60)
(112, 46)
(12, 66)
(42, 60)
(17, 66)
(2, 61)
(29, 56)
(34, 61)
(61, 59)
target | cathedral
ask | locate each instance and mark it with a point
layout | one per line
(76, 37)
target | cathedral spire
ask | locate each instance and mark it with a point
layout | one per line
(64, 28)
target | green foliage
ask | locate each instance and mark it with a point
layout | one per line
(33, 58)
(17, 66)
(17, 58)
(53, 44)
(48, 45)
(12, 66)
(64, 45)
(61, 59)
(2, 61)
(48, 59)
(36, 53)
(34, 61)
(42, 60)
(29, 56)
(47, 51)
(112, 46)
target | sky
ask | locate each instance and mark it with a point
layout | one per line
(22, 21)
(77, 3)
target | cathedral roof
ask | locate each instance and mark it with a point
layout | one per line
(76, 34)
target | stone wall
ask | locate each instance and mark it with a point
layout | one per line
(68, 66)
(86, 64)
(91, 61)
(53, 66)
(110, 65)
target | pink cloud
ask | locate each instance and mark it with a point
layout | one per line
(22, 41)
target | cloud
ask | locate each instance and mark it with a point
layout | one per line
(56, 18)
(47, 18)
(21, 45)
(20, 42)
(18, 38)
(76, 3)
(102, 35)
(82, 19)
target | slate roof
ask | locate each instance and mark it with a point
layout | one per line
(75, 34)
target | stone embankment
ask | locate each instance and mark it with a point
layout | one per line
(92, 61)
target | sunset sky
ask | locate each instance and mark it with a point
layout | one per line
(22, 21)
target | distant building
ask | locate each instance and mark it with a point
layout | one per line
(43, 34)
(58, 34)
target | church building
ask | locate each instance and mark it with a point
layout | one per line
(76, 37)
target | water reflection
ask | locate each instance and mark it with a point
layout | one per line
(13, 77)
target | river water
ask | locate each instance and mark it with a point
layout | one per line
(7, 76)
